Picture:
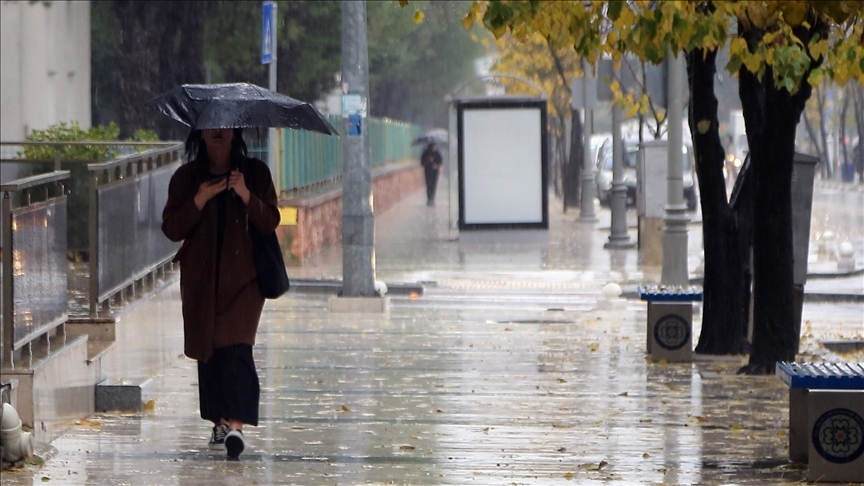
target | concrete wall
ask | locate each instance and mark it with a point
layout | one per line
(319, 216)
(44, 66)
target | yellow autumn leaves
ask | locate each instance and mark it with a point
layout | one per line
(630, 103)
(648, 29)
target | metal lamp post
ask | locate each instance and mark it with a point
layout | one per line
(618, 236)
(358, 222)
(674, 270)
(589, 97)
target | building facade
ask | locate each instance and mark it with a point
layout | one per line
(44, 67)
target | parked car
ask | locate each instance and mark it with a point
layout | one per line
(603, 173)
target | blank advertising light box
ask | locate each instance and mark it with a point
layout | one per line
(502, 165)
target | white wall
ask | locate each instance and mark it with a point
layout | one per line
(44, 66)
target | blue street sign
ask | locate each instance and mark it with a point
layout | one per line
(268, 39)
(355, 125)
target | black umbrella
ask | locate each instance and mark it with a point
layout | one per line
(238, 105)
(435, 135)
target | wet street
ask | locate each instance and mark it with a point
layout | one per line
(506, 370)
(450, 393)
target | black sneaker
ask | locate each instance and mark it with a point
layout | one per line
(217, 438)
(234, 443)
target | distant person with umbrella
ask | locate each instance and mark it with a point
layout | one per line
(214, 201)
(431, 161)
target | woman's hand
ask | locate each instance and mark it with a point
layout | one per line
(207, 191)
(237, 182)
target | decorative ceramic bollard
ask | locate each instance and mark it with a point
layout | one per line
(846, 257)
(670, 321)
(836, 430)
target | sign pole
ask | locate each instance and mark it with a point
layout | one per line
(358, 221)
(268, 56)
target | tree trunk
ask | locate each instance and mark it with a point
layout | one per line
(161, 46)
(814, 141)
(741, 203)
(138, 64)
(181, 55)
(573, 169)
(772, 152)
(771, 115)
(826, 162)
(560, 153)
(858, 152)
(724, 315)
(572, 173)
(843, 112)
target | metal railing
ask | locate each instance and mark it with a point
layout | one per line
(127, 246)
(123, 207)
(77, 188)
(57, 160)
(391, 140)
(307, 160)
(34, 261)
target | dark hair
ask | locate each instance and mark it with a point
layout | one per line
(196, 148)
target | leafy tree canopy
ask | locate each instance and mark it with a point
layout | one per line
(648, 29)
(535, 61)
(140, 49)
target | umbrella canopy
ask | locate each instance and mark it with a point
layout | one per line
(435, 135)
(238, 105)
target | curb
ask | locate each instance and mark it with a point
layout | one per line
(853, 273)
(840, 186)
(810, 276)
(808, 297)
(334, 286)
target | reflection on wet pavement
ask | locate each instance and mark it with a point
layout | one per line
(503, 372)
(443, 393)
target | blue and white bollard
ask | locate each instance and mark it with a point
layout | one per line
(669, 333)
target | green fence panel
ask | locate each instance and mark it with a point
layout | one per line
(312, 158)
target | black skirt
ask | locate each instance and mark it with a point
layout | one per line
(228, 385)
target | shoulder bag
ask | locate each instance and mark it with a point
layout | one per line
(269, 264)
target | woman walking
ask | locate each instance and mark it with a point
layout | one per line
(212, 201)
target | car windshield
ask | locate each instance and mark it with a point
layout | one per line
(631, 155)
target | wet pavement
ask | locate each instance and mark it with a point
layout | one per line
(506, 370)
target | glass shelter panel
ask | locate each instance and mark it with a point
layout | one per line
(131, 241)
(39, 268)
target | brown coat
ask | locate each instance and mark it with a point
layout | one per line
(215, 318)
